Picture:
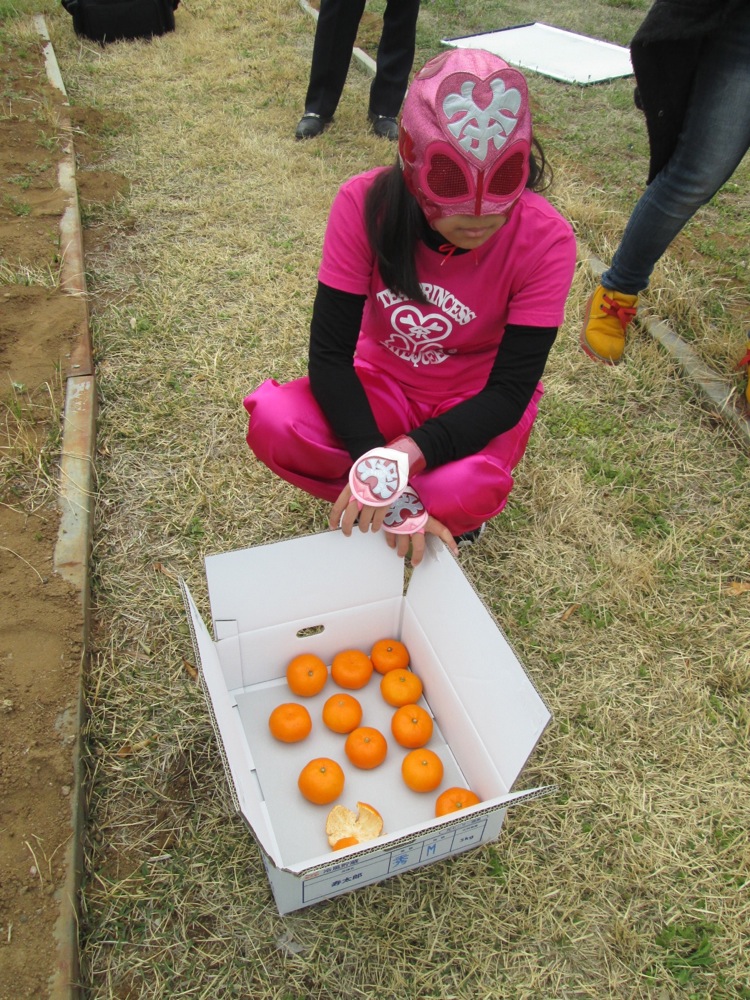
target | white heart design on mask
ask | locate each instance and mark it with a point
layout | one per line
(477, 127)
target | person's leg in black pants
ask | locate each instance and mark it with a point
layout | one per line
(395, 57)
(335, 36)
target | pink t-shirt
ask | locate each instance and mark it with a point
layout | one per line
(521, 275)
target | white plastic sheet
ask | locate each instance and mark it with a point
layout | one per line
(562, 55)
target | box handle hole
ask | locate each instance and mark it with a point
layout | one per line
(305, 633)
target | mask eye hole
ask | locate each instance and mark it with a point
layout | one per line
(507, 177)
(446, 179)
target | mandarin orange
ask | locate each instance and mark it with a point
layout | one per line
(453, 799)
(344, 842)
(389, 654)
(366, 747)
(321, 780)
(290, 722)
(306, 675)
(342, 713)
(400, 687)
(422, 770)
(411, 726)
(351, 669)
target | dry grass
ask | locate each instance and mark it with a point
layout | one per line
(612, 572)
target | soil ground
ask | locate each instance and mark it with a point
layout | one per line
(41, 624)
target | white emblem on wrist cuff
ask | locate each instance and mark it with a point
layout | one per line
(379, 476)
(406, 515)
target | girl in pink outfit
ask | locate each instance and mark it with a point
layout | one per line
(441, 289)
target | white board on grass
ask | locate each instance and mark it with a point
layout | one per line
(562, 55)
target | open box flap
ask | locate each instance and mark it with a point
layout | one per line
(313, 575)
(394, 842)
(261, 656)
(453, 819)
(238, 764)
(305, 595)
(486, 676)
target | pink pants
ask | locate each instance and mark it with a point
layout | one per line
(290, 435)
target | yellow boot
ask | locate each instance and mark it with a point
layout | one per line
(746, 363)
(608, 314)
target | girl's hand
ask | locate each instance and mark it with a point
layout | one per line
(344, 514)
(346, 510)
(402, 543)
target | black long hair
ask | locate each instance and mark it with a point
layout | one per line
(395, 222)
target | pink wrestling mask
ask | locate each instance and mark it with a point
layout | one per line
(465, 135)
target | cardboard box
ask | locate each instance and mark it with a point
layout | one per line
(322, 594)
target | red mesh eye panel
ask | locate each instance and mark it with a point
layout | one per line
(508, 176)
(446, 179)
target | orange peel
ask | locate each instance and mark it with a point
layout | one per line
(343, 824)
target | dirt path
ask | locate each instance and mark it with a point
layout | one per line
(41, 624)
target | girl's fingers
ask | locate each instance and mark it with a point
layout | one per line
(346, 512)
(417, 548)
(343, 513)
(366, 518)
(435, 527)
(378, 517)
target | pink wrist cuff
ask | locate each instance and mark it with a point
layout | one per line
(406, 515)
(417, 461)
(379, 476)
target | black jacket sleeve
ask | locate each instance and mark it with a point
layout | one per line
(470, 426)
(334, 330)
(463, 430)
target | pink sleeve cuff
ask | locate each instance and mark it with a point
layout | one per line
(417, 461)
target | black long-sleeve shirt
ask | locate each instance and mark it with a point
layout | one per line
(463, 430)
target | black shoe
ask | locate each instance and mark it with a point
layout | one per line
(384, 126)
(311, 125)
(469, 537)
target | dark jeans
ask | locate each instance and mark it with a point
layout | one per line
(714, 138)
(335, 36)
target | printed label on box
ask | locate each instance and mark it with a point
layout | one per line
(375, 867)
